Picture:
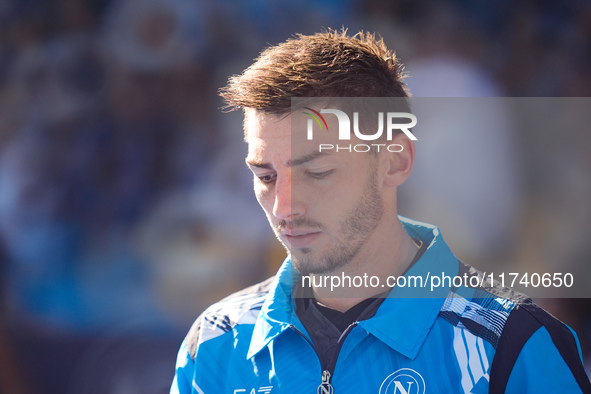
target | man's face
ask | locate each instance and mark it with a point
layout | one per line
(323, 207)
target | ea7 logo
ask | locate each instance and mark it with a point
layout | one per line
(403, 381)
(345, 124)
(261, 390)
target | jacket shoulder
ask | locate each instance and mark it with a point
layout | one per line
(242, 307)
(508, 319)
(484, 309)
(525, 321)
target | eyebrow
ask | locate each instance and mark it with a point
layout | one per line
(291, 163)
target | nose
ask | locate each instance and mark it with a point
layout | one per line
(285, 206)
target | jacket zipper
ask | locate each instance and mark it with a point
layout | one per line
(325, 387)
(328, 370)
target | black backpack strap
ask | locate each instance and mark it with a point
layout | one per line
(522, 323)
(566, 344)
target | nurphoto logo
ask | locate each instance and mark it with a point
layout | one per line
(394, 122)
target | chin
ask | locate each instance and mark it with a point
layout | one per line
(306, 266)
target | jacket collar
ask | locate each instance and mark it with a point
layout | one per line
(278, 310)
(404, 318)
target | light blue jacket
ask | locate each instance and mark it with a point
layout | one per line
(455, 340)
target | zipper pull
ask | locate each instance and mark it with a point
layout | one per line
(325, 387)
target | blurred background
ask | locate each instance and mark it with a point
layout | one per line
(125, 205)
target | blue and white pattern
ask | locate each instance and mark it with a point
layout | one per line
(226, 314)
(472, 358)
(485, 317)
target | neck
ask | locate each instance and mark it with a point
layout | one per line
(388, 254)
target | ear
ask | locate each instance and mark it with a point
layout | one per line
(398, 160)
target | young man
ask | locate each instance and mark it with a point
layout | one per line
(335, 211)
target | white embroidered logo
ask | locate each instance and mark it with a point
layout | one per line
(403, 381)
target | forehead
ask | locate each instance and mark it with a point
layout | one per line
(271, 135)
(282, 140)
(258, 125)
(262, 125)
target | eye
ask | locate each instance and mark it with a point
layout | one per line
(319, 175)
(270, 178)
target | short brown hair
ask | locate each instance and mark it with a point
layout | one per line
(327, 64)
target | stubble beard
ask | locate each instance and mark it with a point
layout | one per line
(354, 231)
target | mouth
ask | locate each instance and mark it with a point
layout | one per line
(300, 239)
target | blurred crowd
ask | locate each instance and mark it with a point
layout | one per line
(125, 205)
